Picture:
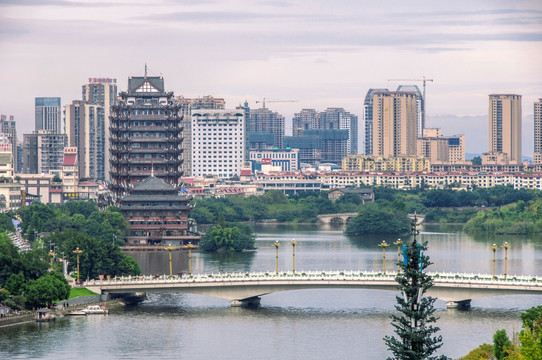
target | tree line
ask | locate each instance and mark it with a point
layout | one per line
(25, 278)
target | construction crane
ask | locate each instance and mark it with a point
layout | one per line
(263, 101)
(423, 80)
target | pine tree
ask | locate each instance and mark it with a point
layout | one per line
(414, 326)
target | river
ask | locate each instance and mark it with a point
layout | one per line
(308, 324)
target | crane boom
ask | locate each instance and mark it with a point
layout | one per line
(264, 100)
(423, 80)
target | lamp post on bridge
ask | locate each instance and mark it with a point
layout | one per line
(505, 246)
(276, 245)
(170, 249)
(494, 248)
(78, 252)
(398, 243)
(384, 245)
(294, 243)
(190, 246)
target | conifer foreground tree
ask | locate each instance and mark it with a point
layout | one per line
(414, 326)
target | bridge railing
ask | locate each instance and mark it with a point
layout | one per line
(459, 278)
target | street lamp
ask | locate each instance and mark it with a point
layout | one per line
(78, 252)
(276, 245)
(505, 246)
(170, 249)
(384, 245)
(398, 243)
(294, 243)
(190, 246)
(52, 253)
(494, 248)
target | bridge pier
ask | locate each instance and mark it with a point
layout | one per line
(253, 301)
(461, 304)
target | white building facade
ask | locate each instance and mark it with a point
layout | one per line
(218, 142)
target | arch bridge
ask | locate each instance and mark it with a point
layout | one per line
(456, 289)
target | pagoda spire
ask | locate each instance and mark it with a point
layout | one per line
(145, 70)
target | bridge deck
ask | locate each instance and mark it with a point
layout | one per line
(239, 286)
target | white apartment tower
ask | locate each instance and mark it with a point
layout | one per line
(218, 142)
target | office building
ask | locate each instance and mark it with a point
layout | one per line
(86, 131)
(48, 114)
(394, 124)
(275, 160)
(146, 135)
(102, 92)
(505, 128)
(537, 157)
(320, 146)
(43, 152)
(218, 142)
(306, 119)
(263, 126)
(339, 119)
(368, 119)
(187, 104)
(9, 127)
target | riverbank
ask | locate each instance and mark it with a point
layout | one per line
(62, 310)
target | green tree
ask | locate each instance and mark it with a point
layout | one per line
(414, 326)
(46, 289)
(501, 343)
(377, 218)
(477, 160)
(227, 239)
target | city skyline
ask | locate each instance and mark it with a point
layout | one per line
(251, 50)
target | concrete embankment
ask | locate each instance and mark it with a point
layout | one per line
(63, 307)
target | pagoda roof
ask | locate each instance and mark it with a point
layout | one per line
(143, 197)
(152, 183)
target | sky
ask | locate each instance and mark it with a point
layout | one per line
(319, 53)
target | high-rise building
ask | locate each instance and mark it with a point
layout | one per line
(306, 119)
(368, 119)
(103, 92)
(264, 123)
(9, 127)
(339, 119)
(6, 158)
(187, 104)
(505, 126)
(86, 131)
(320, 145)
(537, 157)
(48, 114)
(43, 151)
(420, 106)
(146, 134)
(218, 146)
(394, 123)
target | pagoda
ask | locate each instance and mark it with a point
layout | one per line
(157, 214)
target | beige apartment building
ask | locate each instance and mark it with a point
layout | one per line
(379, 163)
(504, 129)
(441, 149)
(394, 124)
(537, 156)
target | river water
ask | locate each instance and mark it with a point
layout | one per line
(307, 324)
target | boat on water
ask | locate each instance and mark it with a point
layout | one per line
(77, 313)
(95, 309)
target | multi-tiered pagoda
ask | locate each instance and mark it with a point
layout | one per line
(146, 135)
(157, 214)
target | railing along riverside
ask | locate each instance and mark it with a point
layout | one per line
(458, 278)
